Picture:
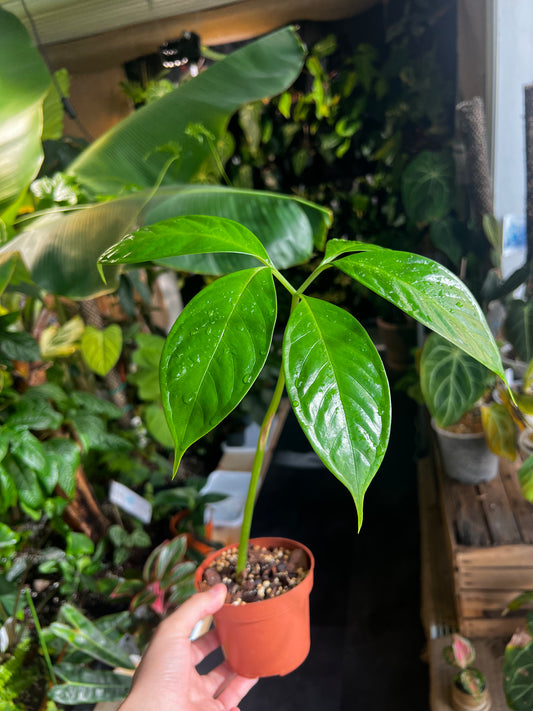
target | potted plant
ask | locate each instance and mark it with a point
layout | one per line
(518, 659)
(473, 428)
(333, 374)
(469, 688)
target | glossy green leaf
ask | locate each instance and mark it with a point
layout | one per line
(88, 686)
(517, 671)
(286, 226)
(101, 348)
(451, 380)
(53, 111)
(26, 483)
(185, 235)
(518, 328)
(63, 457)
(24, 81)
(127, 153)
(337, 247)
(429, 293)
(428, 185)
(8, 490)
(500, 430)
(48, 391)
(156, 424)
(5, 438)
(214, 352)
(93, 434)
(82, 634)
(29, 452)
(19, 345)
(339, 391)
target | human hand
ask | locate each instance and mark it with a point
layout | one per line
(166, 679)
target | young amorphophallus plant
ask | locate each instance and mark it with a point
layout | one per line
(469, 690)
(332, 372)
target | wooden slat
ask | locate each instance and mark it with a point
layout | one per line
(488, 603)
(498, 512)
(522, 509)
(494, 578)
(502, 628)
(495, 557)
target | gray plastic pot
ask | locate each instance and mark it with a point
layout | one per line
(466, 456)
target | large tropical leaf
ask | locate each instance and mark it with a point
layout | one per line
(128, 154)
(517, 670)
(451, 380)
(428, 186)
(518, 328)
(430, 293)
(215, 351)
(88, 686)
(24, 81)
(339, 391)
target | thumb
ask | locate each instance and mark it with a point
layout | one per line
(182, 622)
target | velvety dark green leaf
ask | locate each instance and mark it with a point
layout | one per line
(430, 293)
(517, 669)
(180, 236)
(127, 153)
(34, 415)
(88, 686)
(83, 635)
(451, 380)
(446, 235)
(24, 81)
(48, 391)
(339, 391)
(284, 225)
(214, 352)
(428, 185)
(518, 328)
(63, 457)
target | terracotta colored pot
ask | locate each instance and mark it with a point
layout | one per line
(269, 637)
(192, 541)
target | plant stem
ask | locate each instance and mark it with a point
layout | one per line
(256, 472)
(310, 279)
(40, 635)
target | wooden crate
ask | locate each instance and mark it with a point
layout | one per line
(489, 538)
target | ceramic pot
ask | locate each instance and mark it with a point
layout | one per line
(466, 456)
(268, 637)
(466, 702)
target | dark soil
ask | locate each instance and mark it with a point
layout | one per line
(269, 572)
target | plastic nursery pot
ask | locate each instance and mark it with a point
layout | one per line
(466, 456)
(267, 637)
(192, 542)
(466, 702)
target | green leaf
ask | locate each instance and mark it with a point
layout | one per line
(34, 414)
(339, 391)
(336, 247)
(525, 477)
(517, 669)
(183, 236)
(86, 637)
(61, 341)
(88, 686)
(53, 110)
(451, 380)
(518, 328)
(19, 345)
(27, 485)
(79, 544)
(95, 405)
(126, 154)
(430, 293)
(157, 426)
(7, 536)
(428, 186)
(286, 226)
(63, 457)
(8, 490)
(48, 391)
(101, 348)
(94, 435)
(24, 81)
(445, 235)
(214, 352)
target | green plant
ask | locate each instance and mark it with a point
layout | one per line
(76, 566)
(124, 543)
(334, 376)
(461, 653)
(166, 582)
(453, 385)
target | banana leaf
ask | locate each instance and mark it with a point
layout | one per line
(24, 82)
(61, 249)
(128, 154)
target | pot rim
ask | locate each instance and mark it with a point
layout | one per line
(456, 435)
(260, 540)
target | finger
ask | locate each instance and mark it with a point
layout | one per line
(181, 623)
(218, 678)
(204, 645)
(236, 690)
